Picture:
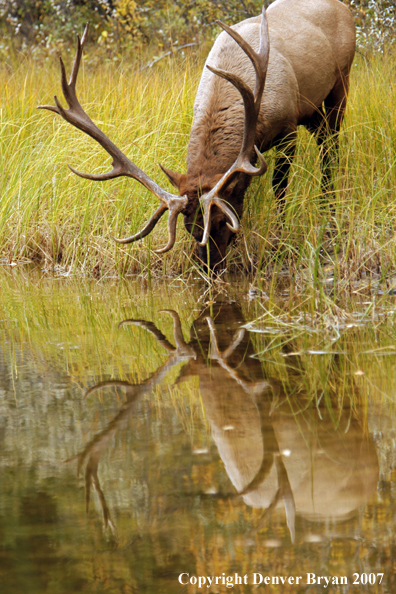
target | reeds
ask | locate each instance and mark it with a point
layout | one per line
(49, 215)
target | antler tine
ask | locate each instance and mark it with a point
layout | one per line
(217, 354)
(182, 349)
(69, 88)
(106, 384)
(252, 102)
(107, 521)
(122, 166)
(252, 106)
(172, 224)
(175, 209)
(254, 389)
(260, 59)
(222, 205)
(152, 328)
(77, 59)
(147, 228)
(177, 328)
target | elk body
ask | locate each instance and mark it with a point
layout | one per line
(263, 77)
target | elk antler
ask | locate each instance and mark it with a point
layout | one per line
(76, 116)
(252, 102)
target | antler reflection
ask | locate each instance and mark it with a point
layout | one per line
(257, 390)
(189, 353)
(93, 451)
(330, 472)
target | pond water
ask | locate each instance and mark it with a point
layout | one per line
(161, 438)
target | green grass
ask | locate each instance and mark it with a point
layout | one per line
(50, 215)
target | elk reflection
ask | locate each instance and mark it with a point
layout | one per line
(318, 467)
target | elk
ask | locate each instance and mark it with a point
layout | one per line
(272, 450)
(303, 81)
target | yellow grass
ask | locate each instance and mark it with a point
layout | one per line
(49, 214)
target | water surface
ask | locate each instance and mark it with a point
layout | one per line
(149, 431)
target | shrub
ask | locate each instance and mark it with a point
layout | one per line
(121, 25)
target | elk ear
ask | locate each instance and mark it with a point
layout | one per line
(173, 177)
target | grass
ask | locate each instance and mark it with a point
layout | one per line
(47, 214)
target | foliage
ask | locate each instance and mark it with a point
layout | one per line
(119, 25)
(40, 24)
(375, 23)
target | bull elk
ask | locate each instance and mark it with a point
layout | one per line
(305, 78)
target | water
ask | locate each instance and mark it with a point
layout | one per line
(231, 435)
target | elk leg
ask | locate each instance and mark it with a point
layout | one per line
(328, 136)
(286, 149)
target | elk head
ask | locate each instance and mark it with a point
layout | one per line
(205, 202)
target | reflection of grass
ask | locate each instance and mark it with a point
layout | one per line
(73, 324)
(158, 506)
(67, 332)
(47, 213)
(312, 353)
(336, 355)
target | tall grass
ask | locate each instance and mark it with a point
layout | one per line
(47, 212)
(67, 223)
(364, 218)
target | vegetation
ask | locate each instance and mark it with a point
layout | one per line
(39, 26)
(48, 215)
(375, 23)
(328, 344)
